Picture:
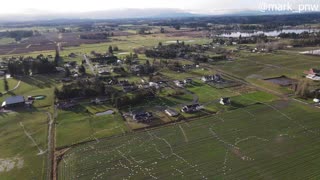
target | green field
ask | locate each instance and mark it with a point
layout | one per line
(81, 124)
(262, 141)
(23, 132)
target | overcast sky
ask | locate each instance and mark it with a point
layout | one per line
(195, 6)
(43, 6)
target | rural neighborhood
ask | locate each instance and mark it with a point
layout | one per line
(159, 93)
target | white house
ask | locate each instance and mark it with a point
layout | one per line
(225, 101)
(171, 112)
(180, 84)
(155, 85)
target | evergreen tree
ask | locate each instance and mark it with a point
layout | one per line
(6, 85)
(110, 50)
(57, 58)
(82, 70)
(68, 73)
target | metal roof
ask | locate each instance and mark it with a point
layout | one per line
(13, 100)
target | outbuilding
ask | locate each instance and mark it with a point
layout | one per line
(13, 101)
(171, 112)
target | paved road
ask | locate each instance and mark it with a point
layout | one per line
(89, 64)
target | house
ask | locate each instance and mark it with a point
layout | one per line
(180, 84)
(13, 101)
(129, 88)
(313, 74)
(171, 112)
(191, 108)
(155, 85)
(225, 101)
(124, 82)
(60, 69)
(137, 69)
(187, 81)
(2, 73)
(98, 101)
(143, 86)
(212, 78)
(142, 117)
(104, 72)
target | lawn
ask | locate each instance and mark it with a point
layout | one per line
(11, 83)
(264, 141)
(23, 133)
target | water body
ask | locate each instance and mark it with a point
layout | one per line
(267, 33)
(105, 113)
(312, 52)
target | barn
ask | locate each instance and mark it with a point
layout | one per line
(13, 101)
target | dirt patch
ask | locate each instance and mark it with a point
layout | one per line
(7, 165)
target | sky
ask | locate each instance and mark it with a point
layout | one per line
(69, 6)
(8, 7)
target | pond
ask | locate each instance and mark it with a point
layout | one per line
(312, 52)
(105, 113)
(267, 33)
(41, 97)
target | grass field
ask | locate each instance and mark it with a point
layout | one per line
(20, 158)
(261, 141)
(23, 133)
(83, 119)
(11, 83)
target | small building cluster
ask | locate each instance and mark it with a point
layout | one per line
(192, 108)
(212, 78)
(142, 117)
(313, 74)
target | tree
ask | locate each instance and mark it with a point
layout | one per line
(82, 70)
(57, 58)
(162, 30)
(68, 73)
(115, 48)
(6, 85)
(177, 27)
(110, 50)
(302, 88)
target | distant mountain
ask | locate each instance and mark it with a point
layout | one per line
(108, 14)
(130, 13)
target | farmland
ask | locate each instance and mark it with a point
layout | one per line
(259, 141)
(158, 99)
(24, 131)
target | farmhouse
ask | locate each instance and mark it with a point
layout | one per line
(136, 69)
(191, 108)
(155, 85)
(180, 84)
(13, 101)
(129, 88)
(171, 112)
(225, 101)
(104, 72)
(212, 78)
(142, 116)
(188, 81)
(313, 74)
